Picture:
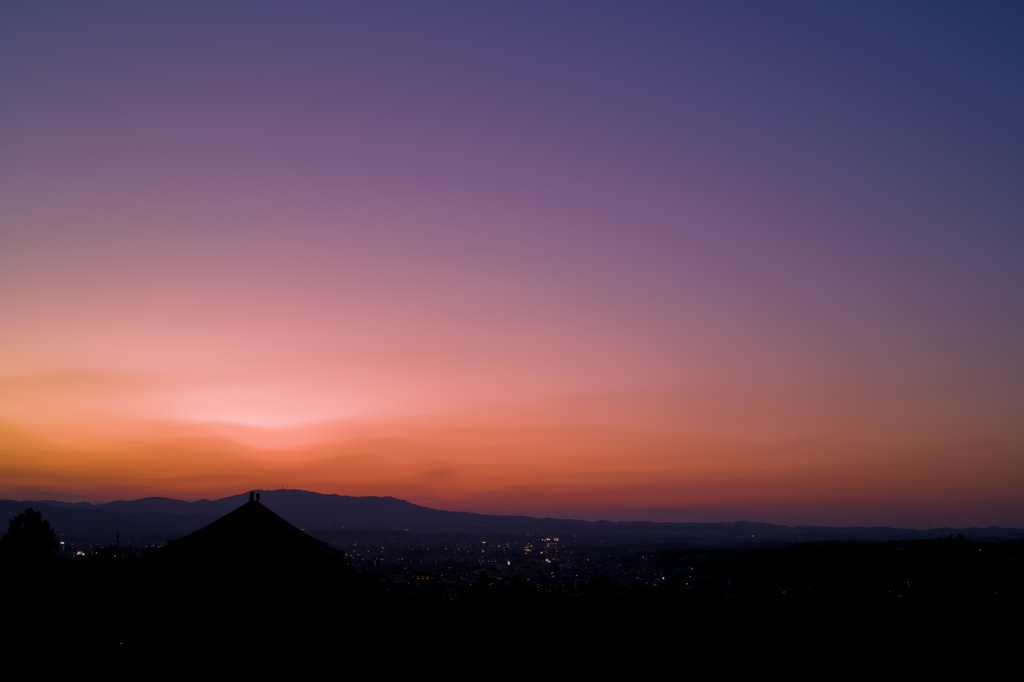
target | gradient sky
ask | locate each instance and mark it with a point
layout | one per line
(667, 261)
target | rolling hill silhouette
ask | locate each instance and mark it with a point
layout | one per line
(163, 518)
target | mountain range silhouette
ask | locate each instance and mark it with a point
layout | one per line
(165, 518)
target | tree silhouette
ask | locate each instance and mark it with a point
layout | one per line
(29, 539)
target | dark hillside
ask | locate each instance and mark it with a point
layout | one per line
(161, 517)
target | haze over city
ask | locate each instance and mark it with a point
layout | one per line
(637, 261)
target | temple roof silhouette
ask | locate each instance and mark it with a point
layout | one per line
(251, 531)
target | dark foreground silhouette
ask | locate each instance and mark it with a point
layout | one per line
(252, 589)
(154, 520)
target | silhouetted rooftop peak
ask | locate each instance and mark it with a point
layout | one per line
(252, 532)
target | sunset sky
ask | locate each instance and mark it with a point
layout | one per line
(633, 260)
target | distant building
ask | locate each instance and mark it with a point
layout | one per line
(251, 534)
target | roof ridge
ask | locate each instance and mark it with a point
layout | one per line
(251, 529)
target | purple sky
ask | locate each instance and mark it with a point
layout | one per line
(754, 221)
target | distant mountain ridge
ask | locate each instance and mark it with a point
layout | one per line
(158, 518)
(316, 508)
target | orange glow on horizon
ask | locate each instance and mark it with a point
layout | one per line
(631, 461)
(646, 261)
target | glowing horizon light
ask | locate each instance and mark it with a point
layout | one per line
(652, 262)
